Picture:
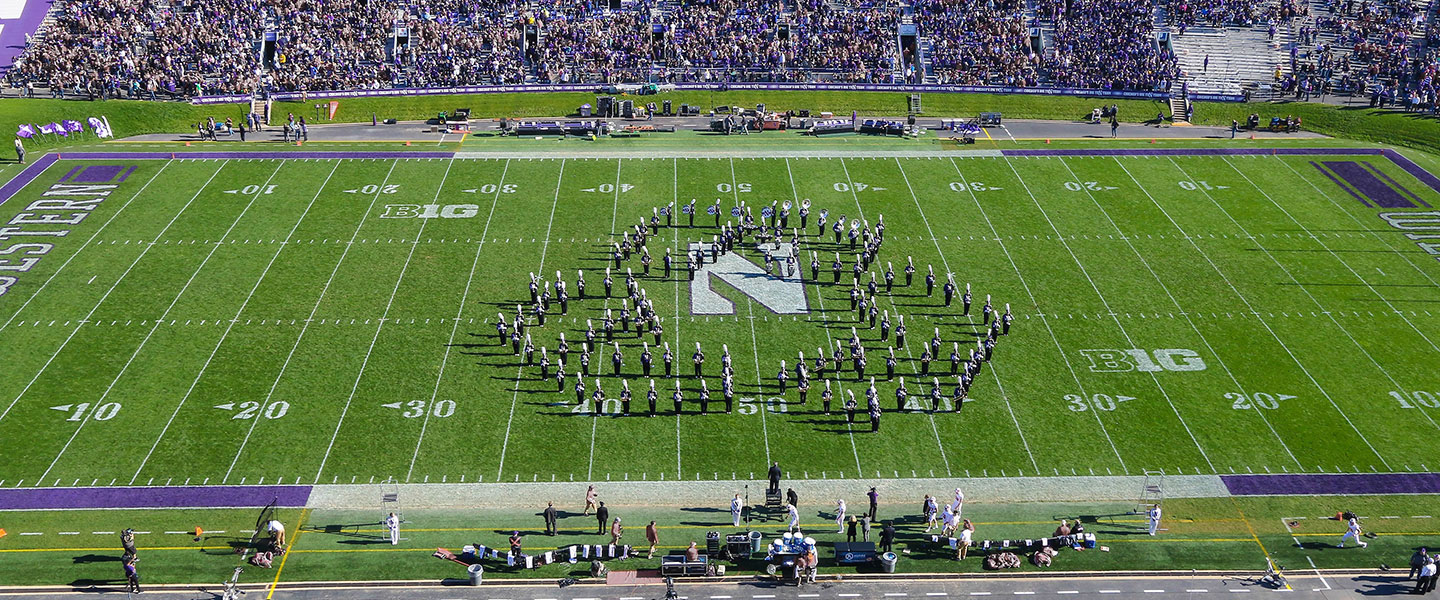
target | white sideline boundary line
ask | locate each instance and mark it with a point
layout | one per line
(464, 296)
(1033, 303)
(1382, 240)
(153, 328)
(380, 327)
(324, 290)
(1255, 406)
(106, 295)
(83, 247)
(231, 325)
(1282, 343)
(1104, 301)
(515, 398)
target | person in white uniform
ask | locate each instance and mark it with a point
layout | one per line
(1352, 530)
(392, 523)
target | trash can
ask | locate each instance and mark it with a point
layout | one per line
(755, 542)
(478, 570)
(887, 562)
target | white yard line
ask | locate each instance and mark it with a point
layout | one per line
(231, 325)
(675, 243)
(830, 341)
(1104, 301)
(1402, 256)
(445, 360)
(1033, 302)
(1255, 405)
(106, 295)
(84, 246)
(515, 397)
(610, 238)
(759, 380)
(176, 300)
(1337, 258)
(754, 343)
(1302, 289)
(994, 371)
(306, 327)
(385, 315)
(855, 195)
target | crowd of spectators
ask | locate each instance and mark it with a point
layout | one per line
(1384, 48)
(993, 45)
(1105, 44)
(1215, 13)
(159, 48)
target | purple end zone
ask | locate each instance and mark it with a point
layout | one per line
(98, 174)
(1331, 485)
(153, 497)
(257, 154)
(1368, 184)
(26, 176)
(1410, 167)
(1426, 177)
(1193, 151)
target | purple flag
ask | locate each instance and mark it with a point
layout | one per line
(73, 126)
(26, 131)
(60, 129)
(47, 128)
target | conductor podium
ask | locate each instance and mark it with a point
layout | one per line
(774, 504)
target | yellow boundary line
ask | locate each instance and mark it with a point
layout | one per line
(299, 531)
(1161, 539)
(1255, 537)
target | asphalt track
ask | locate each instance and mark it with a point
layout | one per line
(1307, 585)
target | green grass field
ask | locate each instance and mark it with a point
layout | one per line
(261, 321)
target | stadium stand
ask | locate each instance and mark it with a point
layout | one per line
(181, 48)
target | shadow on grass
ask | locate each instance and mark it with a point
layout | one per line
(86, 559)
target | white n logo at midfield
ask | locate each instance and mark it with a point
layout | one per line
(776, 292)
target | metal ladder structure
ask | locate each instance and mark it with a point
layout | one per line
(1152, 493)
(390, 499)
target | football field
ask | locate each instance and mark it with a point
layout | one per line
(299, 319)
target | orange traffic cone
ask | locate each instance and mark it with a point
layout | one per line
(2, 533)
(187, 144)
(198, 533)
(1047, 140)
(1152, 140)
(407, 143)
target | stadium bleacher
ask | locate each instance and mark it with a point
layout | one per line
(181, 48)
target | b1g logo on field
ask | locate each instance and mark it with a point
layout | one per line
(430, 211)
(1139, 359)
